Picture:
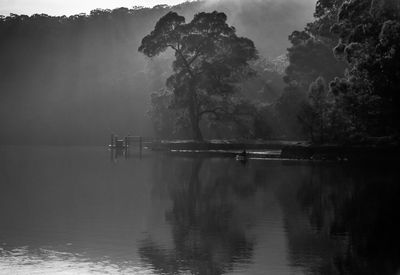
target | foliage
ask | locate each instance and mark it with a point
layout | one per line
(310, 55)
(287, 109)
(250, 111)
(362, 99)
(167, 123)
(315, 114)
(210, 59)
(263, 91)
(369, 34)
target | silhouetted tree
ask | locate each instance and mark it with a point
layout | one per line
(209, 60)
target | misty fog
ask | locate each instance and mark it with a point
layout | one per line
(74, 80)
(264, 139)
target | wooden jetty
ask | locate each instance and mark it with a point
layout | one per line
(124, 143)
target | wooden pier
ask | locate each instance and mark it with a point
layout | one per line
(125, 142)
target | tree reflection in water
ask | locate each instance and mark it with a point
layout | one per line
(208, 229)
(337, 218)
(360, 203)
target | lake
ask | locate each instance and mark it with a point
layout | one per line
(86, 210)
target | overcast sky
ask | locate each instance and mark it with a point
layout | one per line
(68, 7)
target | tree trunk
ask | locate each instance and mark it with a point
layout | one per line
(195, 122)
(197, 135)
(194, 115)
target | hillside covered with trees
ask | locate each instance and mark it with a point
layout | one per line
(73, 80)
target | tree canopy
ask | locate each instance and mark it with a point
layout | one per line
(368, 94)
(210, 60)
(354, 46)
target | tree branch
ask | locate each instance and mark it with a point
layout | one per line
(187, 65)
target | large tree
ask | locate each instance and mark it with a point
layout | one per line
(210, 61)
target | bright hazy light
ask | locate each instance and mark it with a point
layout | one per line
(69, 7)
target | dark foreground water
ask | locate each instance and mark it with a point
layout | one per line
(79, 210)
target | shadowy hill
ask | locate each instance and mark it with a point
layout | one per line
(73, 80)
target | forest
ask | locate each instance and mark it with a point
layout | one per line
(328, 73)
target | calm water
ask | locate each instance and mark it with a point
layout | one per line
(79, 210)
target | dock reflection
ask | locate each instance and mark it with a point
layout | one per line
(125, 153)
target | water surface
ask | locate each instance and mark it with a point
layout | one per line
(84, 210)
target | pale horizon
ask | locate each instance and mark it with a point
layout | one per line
(61, 7)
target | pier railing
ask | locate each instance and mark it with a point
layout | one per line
(129, 140)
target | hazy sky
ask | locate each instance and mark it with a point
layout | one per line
(68, 7)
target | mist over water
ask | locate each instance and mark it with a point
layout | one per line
(74, 80)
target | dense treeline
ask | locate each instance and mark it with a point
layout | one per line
(73, 80)
(340, 84)
(346, 66)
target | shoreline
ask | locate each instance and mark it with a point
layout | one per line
(291, 150)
